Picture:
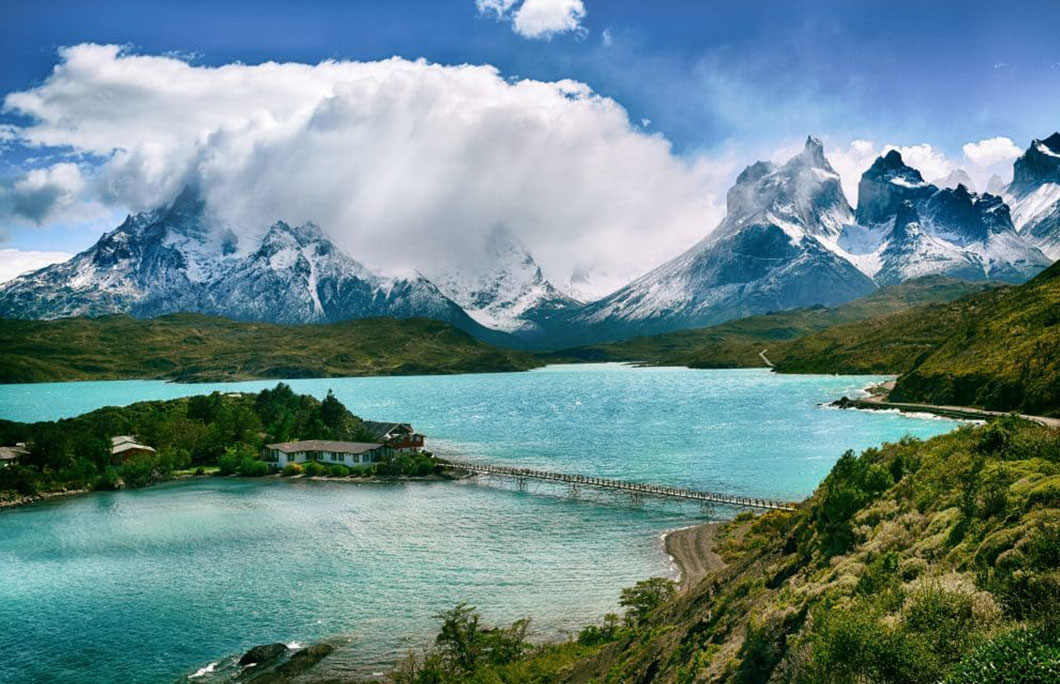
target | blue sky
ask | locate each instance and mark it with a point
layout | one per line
(714, 78)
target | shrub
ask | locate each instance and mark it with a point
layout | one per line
(594, 635)
(254, 468)
(1021, 656)
(314, 469)
(108, 481)
(292, 469)
(338, 470)
(21, 479)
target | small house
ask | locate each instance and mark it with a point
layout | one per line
(398, 436)
(12, 455)
(349, 454)
(124, 446)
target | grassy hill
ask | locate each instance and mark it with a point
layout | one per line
(195, 348)
(998, 349)
(736, 344)
(914, 563)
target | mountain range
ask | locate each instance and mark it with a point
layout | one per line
(790, 239)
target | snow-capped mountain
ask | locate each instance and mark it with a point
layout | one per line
(770, 252)
(791, 239)
(1034, 194)
(510, 294)
(955, 178)
(907, 227)
(172, 260)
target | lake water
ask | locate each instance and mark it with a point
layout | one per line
(150, 585)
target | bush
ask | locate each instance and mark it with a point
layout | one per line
(254, 468)
(21, 479)
(594, 635)
(338, 470)
(108, 481)
(1022, 656)
(292, 469)
(314, 469)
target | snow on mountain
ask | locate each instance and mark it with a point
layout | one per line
(173, 259)
(770, 252)
(996, 185)
(790, 239)
(955, 178)
(510, 294)
(1034, 195)
(907, 227)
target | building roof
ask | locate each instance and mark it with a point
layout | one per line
(324, 445)
(10, 453)
(381, 429)
(121, 443)
(129, 446)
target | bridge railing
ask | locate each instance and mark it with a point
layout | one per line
(635, 487)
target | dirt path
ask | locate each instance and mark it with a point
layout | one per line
(692, 549)
(880, 401)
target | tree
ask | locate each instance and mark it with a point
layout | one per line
(332, 413)
(641, 600)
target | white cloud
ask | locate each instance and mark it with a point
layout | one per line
(14, 262)
(991, 151)
(981, 160)
(537, 18)
(405, 163)
(42, 193)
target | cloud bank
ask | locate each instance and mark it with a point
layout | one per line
(405, 163)
(15, 262)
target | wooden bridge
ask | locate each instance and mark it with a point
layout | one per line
(635, 489)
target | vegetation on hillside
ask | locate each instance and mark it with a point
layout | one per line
(998, 350)
(916, 562)
(736, 344)
(216, 431)
(196, 348)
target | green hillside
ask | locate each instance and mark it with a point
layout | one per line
(736, 344)
(195, 348)
(914, 563)
(998, 350)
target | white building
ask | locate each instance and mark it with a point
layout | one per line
(350, 454)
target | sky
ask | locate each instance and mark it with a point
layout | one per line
(603, 134)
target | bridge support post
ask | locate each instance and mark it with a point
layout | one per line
(636, 498)
(575, 490)
(520, 483)
(707, 508)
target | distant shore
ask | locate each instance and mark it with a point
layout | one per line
(692, 550)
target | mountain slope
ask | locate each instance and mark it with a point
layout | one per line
(1034, 194)
(999, 349)
(197, 348)
(737, 343)
(914, 562)
(768, 254)
(173, 260)
(510, 294)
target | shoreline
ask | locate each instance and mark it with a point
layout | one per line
(691, 550)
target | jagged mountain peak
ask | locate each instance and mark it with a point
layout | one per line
(1039, 164)
(885, 185)
(803, 196)
(813, 153)
(954, 178)
(508, 290)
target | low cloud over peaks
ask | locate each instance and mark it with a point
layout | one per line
(402, 162)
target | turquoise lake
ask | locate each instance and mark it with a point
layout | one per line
(154, 585)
